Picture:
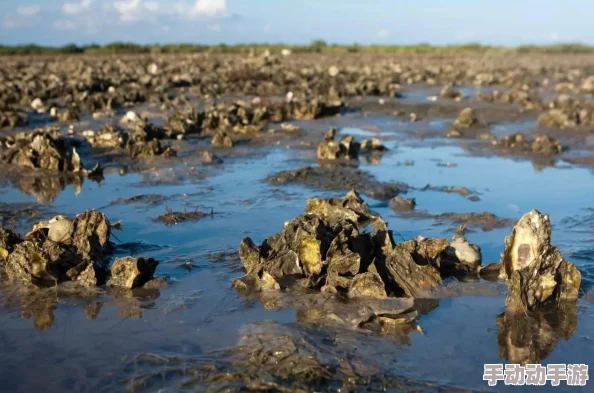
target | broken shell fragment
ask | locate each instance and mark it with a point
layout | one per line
(132, 272)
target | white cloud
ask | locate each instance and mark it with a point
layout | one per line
(267, 27)
(554, 36)
(383, 33)
(31, 10)
(209, 8)
(8, 23)
(65, 25)
(23, 17)
(128, 9)
(137, 10)
(76, 8)
(91, 16)
(152, 6)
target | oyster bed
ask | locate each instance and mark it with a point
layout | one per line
(189, 154)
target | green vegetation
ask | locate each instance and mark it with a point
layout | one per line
(316, 46)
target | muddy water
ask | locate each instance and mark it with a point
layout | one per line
(58, 343)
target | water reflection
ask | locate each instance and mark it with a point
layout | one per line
(531, 338)
(373, 158)
(541, 163)
(47, 188)
(39, 304)
(394, 317)
(271, 357)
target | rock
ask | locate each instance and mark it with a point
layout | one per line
(343, 261)
(130, 118)
(328, 149)
(62, 250)
(12, 119)
(143, 140)
(426, 251)
(289, 127)
(8, 241)
(43, 149)
(249, 254)
(564, 101)
(259, 282)
(86, 274)
(131, 272)
(67, 115)
(171, 217)
(38, 105)
(350, 147)
(335, 210)
(490, 272)
(556, 118)
(466, 119)
(333, 71)
(565, 87)
(588, 85)
(453, 133)
(466, 125)
(108, 137)
(29, 264)
(210, 158)
(546, 145)
(153, 69)
(460, 257)
(221, 139)
(407, 277)
(329, 249)
(284, 263)
(466, 253)
(180, 124)
(372, 144)
(537, 276)
(90, 235)
(367, 285)
(402, 204)
(140, 149)
(448, 91)
(518, 144)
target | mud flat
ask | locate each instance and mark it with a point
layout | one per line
(393, 242)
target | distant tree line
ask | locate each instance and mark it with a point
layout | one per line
(316, 46)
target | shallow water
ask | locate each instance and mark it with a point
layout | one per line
(64, 345)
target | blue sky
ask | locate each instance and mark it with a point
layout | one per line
(502, 22)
